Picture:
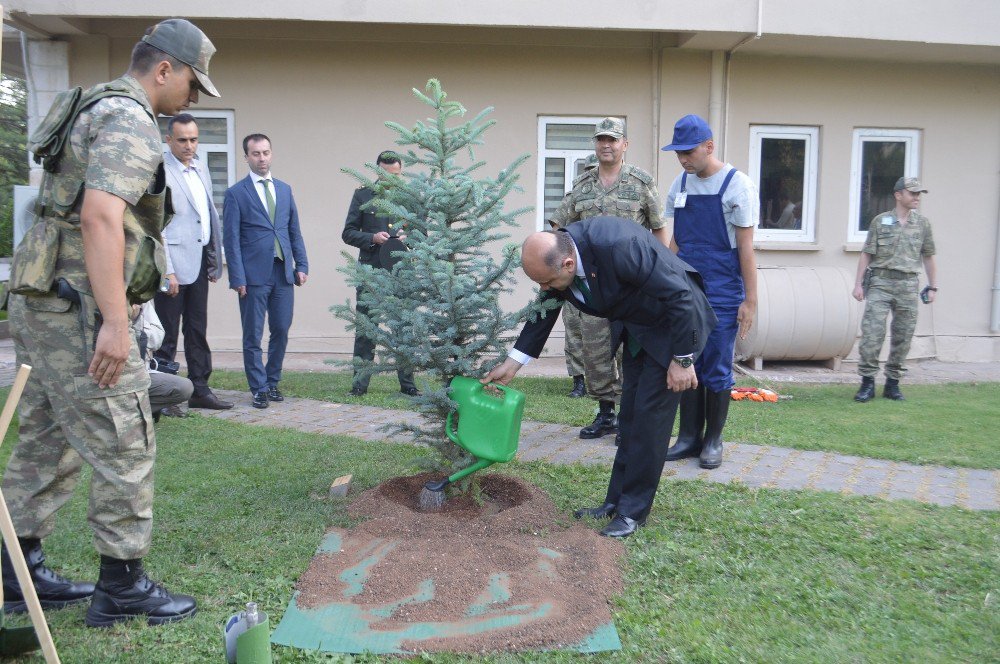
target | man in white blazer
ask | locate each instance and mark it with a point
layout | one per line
(193, 240)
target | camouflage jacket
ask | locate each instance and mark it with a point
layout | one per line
(897, 247)
(113, 146)
(632, 196)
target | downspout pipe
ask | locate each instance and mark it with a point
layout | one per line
(995, 309)
(724, 132)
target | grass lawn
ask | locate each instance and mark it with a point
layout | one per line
(721, 574)
(948, 424)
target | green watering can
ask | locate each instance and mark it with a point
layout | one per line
(489, 426)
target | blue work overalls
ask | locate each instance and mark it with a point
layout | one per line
(701, 234)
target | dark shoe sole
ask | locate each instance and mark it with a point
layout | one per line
(215, 406)
(601, 433)
(709, 465)
(22, 606)
(96, 619)
(261, 406)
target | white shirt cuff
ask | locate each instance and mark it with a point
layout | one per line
(519, 357)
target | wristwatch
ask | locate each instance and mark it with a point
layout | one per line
(685, 361)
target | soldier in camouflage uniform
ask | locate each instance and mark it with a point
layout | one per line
(898, 242)
(87, 400)
(617, 189)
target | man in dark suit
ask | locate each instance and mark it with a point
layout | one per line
(193, 241)
(266, 256)
(615, 269)
(368, 231)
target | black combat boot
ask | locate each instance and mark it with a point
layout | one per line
(716, 412)
(603, 424)
(54, 592)
(891, 390)
(692, 416)
(579, 388)
(867, 390)
(124, 592)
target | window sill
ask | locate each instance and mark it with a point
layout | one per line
(853, 247)
(773, 245)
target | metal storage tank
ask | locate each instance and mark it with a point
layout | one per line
(803, 313)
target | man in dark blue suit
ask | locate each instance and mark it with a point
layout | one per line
(266, 256)
(614, 269)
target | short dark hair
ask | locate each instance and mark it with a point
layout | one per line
(255, 138)
(180, 118)
(563, 249)
(387, 157)
(144, 56)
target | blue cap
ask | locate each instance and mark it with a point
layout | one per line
(689, 132)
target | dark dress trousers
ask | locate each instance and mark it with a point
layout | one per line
(359, 229)
(656, 305)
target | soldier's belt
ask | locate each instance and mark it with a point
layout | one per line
(892, 274)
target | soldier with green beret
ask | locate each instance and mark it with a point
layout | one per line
(898, 242)
(94, 250)
(615, 189)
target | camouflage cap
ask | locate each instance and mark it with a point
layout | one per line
(613, 127)
(183, 40)
(909, 184)
(591, 162)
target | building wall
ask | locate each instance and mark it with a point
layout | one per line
(323, 99)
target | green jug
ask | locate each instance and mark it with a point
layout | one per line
(489, 425)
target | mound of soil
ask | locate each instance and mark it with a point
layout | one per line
(507, 553)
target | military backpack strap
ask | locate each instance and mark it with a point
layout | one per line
(46, 143)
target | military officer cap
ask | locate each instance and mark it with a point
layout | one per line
(613, 127)
(183, 40)
(591, 162)
(909, 184)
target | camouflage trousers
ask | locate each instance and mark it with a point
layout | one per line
(886, 296)
(573, 341)
(66, 419)
(601, 366)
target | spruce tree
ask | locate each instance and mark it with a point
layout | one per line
(437, 311)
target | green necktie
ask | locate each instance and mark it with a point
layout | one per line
(270, 213)
(581, 286)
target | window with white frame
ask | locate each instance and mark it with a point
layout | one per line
(879, 158)
(564, 143)
(216, 149)
(783, 165)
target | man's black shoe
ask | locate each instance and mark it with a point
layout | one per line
(259, 399)
(622, 526)
(579, 388)
(605, 511)
(173, 411)
(411, 392)
(274, 394)
(603, 424)
(867, 390)
(209, 401)
(124, 592)
(53, 590)
(358, 391)
(891, 390)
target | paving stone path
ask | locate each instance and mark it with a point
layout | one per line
(750, 465)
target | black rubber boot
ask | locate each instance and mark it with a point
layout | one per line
(867, 390)
(603, 424)
(54, 591)
(716, 412)
(124, 592)
(692, 416)
(579, 388)
(891, 390)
